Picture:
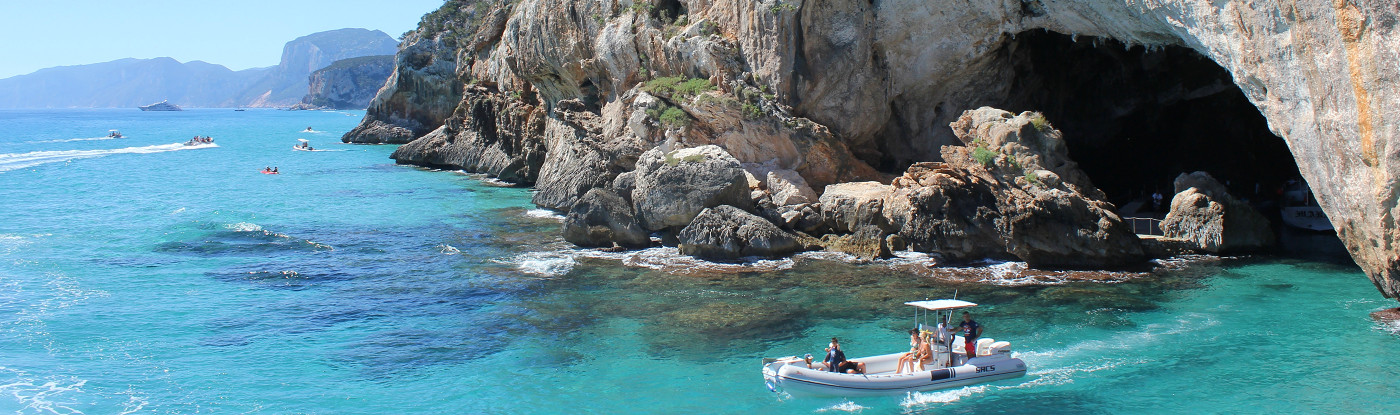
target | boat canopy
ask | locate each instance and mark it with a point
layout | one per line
(936, 305)
(302, 140)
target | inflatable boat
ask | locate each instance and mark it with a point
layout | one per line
(949, 368)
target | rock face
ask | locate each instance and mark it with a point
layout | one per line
(1010, 191)
(287, 83)
(725, 233)
(674, 186)
(602, 218)
(827, 88)
(1205, 214)
(492, 136)
(348, 84)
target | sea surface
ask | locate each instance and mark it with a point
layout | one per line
(139, 275)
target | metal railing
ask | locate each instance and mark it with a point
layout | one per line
(1145, 226)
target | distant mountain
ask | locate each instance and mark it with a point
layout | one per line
(348, 84)
(287, 83)
(135, 82)
(127, 83)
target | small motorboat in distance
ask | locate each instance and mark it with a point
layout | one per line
(950, 366)
(114, 134)
(304, 146)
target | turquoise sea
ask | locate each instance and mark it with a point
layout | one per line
(138, 275)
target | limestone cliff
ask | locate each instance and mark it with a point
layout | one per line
(348, 83)
(286, 83)
(835, 89)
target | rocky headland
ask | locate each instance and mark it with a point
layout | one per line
(347, 84)
(738, 128)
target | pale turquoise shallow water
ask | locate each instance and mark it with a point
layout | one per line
(135, 279)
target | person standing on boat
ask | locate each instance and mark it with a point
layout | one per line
(971, 331)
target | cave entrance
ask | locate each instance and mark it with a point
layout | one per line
(1135, 118)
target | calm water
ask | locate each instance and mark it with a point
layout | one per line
(141, 276)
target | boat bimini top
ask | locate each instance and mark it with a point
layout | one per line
(937, 305)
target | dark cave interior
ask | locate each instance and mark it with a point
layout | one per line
(1135, 118)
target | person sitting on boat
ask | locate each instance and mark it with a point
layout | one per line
(274, 170)
(971, 331)
(909, 357)
(836, 360)
(925, 355)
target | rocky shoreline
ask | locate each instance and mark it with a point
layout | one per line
(709, 126)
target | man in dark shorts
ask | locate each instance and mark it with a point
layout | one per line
(836, 360)
(971, 331)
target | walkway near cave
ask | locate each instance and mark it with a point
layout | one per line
(1148, 227)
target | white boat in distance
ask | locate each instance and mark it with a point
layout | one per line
(161, 106)
(950, 367)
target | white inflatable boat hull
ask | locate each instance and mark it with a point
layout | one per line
(791, 375)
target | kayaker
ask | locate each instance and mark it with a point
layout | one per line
(274, 170)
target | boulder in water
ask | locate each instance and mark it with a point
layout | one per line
(1206, 215)
(726, 232)
(601, 218)
(672, 187)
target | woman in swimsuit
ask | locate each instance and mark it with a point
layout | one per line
(913, 354)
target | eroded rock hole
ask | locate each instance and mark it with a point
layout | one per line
(1133, 118)
(667, 10)
(1136, 118)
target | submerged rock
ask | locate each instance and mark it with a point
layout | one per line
(672, 187)
(726, 233)
(1206, 215)
(601, 218)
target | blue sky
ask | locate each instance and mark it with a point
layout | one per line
(239, 34)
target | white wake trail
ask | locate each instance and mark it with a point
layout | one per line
(15, 161)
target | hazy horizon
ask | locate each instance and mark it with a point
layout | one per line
(238, 36)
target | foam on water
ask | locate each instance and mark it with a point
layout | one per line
(44, 396)
(72, 140)
(669, 259)
(446, 249)
(924, 399)
(844, 406)
(15, 161)
(244, 227)
(545, 264)
(544, 214)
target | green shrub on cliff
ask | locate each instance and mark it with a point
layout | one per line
(1041, 124)
(677, 86)
(670, 116)
(751, 111)
(984, 156)
(1031, 178)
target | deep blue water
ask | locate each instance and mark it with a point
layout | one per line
(138, 275)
